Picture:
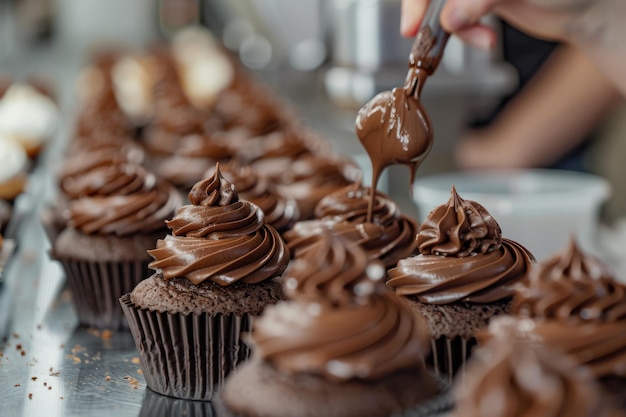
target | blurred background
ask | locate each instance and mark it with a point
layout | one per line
(328, 57)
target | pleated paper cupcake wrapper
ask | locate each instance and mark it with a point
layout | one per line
(96, 288)
(449, 355)
(157, 405)
(187, 356)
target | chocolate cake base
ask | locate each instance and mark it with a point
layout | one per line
(257, 389)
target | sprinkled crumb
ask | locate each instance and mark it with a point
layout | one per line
(18, 346)
(60, 398)
(54, 373)
(51, 369)
(50, 388)
(16, 335)
(139, 371)
(135, 360)
(45, 383)
(106, 335)
(30, 395)
(134, 384)
(34, 378)
(17, 385)
(23, 353)
(78, 348)
(75, 358)
(107, 378)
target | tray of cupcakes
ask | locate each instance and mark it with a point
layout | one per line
(212, 256)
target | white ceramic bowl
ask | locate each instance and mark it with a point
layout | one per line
(540, 209)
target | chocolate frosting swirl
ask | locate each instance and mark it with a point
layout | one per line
(459, 228)
(121, 199)
(330, 268)
(389, 237)
(514, 379)
(311, 178)
(571, 286)
(92, 156)
(280, 211)
(342, 324)
(481, 278)
(601, 347)
(463, 258)
(220, 238)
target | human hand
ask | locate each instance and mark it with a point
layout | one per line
(551, 19)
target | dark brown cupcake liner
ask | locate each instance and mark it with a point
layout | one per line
(449, 355)
(97, 286)
(187, 356)
(157, 405)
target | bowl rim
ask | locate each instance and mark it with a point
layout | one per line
(437, 188)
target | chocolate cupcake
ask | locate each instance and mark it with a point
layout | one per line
(572, 304)
(174, 116)
(510, 378)
(81, 158)
(313, 177)
(100, 116)
(188, 164)
(463, 276)
(343, 345)
(213, 275)
(119, 215)
(389, 236)
(250, 107)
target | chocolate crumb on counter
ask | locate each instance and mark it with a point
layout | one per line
(17, 385)
(30, 395)
(134, 384)
(34, 378)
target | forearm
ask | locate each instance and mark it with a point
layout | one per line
(556, 111)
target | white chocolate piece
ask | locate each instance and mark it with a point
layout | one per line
(133, 86)
(203, 67)
(27, 116)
